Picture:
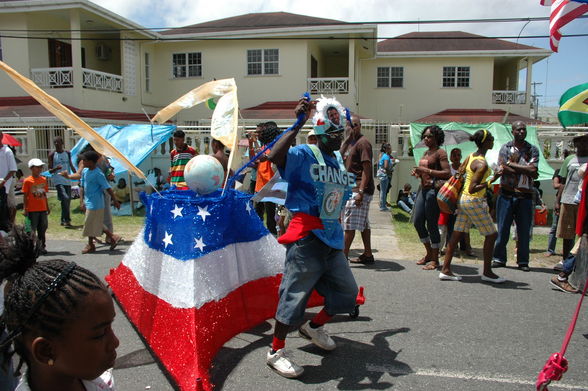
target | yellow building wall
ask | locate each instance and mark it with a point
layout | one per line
(14, 53)
(226, 59)
(422, 93)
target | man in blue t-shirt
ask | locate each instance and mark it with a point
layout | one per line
(318, 186)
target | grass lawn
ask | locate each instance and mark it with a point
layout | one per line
(126, 226)
(409, 243)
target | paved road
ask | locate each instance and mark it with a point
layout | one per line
(414, 333)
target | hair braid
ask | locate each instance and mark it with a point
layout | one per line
(27, 307)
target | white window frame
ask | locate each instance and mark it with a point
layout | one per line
(147, 72)
(264, 62)
(186, 66)
(389, 74)
(458, 75)
(382, 133)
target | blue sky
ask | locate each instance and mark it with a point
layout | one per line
(561, 71)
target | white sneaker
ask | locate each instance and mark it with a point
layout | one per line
(317, 336)
(283, 365)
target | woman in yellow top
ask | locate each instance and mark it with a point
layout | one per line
(473, 208)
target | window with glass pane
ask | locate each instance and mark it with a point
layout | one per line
(381, 134)
(456, 76)
(263, 62)
(448, 76)
(194, 64)
(147, 73)
(383, 79)
(271, 61)
(390, 77)
(254, 62)
(179, 64)
(396, 76)
(463, 76)
(187, 64)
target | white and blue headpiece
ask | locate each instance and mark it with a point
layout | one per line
(321, 121)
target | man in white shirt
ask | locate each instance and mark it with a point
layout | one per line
(7, 171)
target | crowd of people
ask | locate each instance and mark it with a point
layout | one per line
(495, 210)
(330, 187)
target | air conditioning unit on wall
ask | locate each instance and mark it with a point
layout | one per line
(103, 52)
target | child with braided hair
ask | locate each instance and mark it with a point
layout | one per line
(58, 316)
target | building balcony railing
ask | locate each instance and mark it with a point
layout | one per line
(102, 81)
(63, 78)
(53, 77)
(328, 85)
(509, 97)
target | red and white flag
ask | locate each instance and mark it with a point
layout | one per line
(562, 13)
(203, 270)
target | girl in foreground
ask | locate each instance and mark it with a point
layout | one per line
(59, 317)
(473, 208)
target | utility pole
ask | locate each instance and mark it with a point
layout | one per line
(535, 98)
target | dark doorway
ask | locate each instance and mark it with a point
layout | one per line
(313, 67)
(59, 54)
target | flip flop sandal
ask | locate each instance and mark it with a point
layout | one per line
(423, 261)
(432, 266)
(363, 260)
(88, 249)
(115, 243)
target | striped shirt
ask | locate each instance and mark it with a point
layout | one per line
(178, 162)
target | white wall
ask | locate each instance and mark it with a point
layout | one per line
(422, 93)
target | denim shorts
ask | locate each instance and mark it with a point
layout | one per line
(311, 264)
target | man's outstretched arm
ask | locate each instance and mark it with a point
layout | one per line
(279, 152)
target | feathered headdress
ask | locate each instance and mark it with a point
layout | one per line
(321, 121)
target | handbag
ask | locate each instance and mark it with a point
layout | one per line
(557, 364)
(381, 173)
(448, 194)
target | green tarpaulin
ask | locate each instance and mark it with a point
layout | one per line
(502, 134)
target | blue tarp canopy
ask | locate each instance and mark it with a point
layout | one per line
(136, 142)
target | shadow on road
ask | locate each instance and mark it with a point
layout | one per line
(228, 358)
(134, 359)
(380, 266)
(509, 284)
(359, 365)
(59, 253)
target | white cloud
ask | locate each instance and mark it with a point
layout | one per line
(174, 13)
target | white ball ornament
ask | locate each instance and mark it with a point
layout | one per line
(204, 174)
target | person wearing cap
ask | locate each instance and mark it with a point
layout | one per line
(318, 186)
(36, 207)
(571, 177)
(7, 170)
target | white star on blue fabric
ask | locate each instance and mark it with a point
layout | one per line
(168, 239)
(199, 244)
(177, 211)
(248, 207)
(150, 235)
(203, 212)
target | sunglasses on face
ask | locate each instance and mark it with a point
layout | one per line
(334, 135)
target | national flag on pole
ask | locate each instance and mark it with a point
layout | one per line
(573, 106)
(274, 191)
(202, 270)
(562, 12)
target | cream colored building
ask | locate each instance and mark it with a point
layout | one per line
(111, 70)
